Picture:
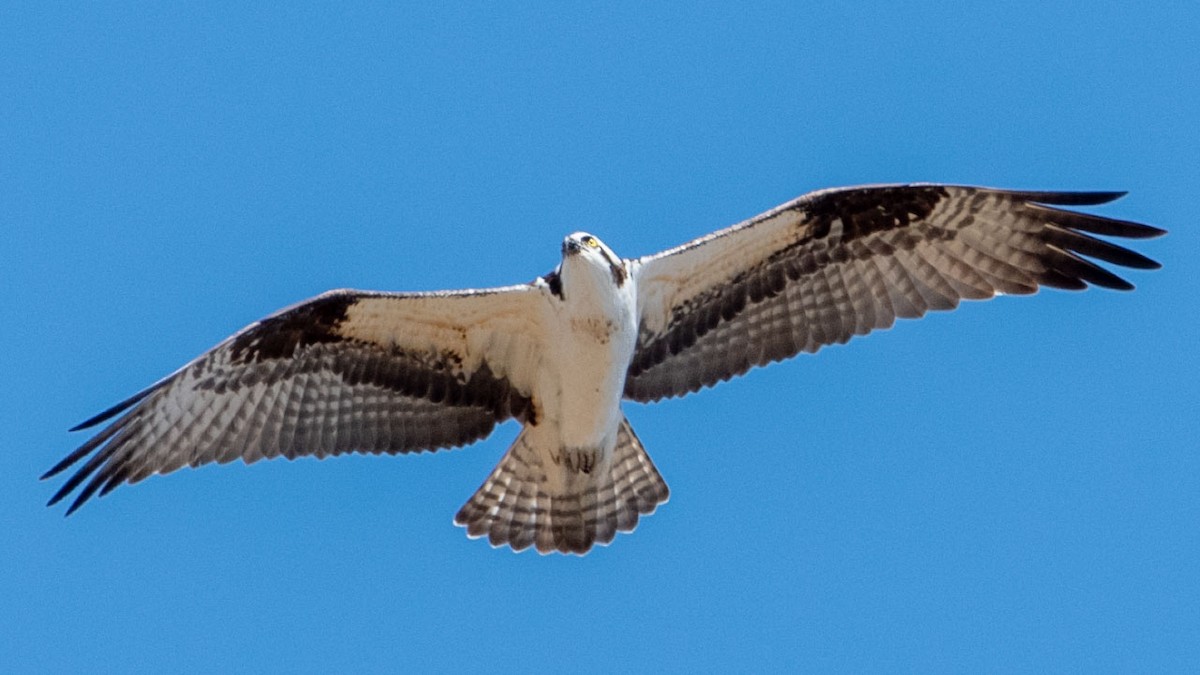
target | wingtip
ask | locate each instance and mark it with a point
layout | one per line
(62, 494)
(58, 497)
(1152, 232)
(58, 468)
(1131, 230)
(1086, 198)
(100, 417)
(118, 408)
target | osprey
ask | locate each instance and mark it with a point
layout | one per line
(352, 371)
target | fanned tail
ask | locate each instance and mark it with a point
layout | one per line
(516, 506)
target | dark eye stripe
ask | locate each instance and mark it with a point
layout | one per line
(613, 261)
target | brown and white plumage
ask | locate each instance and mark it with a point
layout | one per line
(343, 372)
(351, 371)
(838, 263)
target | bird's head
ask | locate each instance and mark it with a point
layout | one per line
(581, 250)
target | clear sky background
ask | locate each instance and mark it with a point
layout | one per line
(1014, 485)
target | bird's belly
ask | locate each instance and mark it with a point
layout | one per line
(590, 383)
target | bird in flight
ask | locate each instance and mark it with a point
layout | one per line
(371, 372)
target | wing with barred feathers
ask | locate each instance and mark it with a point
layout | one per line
(838, 263)
(347, 371)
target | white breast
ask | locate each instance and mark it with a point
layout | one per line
(592, 342)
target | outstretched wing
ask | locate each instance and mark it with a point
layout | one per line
(346, 371)
(838, 263)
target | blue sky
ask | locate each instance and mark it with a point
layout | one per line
(1014, 485)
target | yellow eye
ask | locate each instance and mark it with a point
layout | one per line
(591, 242)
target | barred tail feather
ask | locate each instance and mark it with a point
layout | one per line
(515, 506)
